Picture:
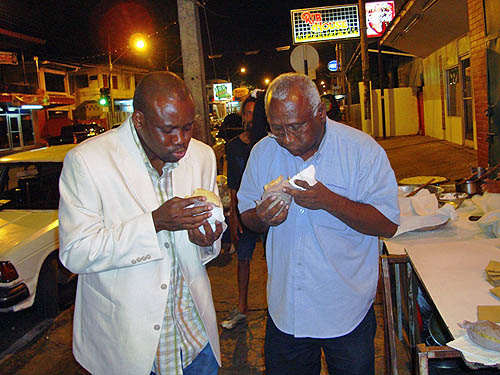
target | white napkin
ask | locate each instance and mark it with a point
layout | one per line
(421, 211)
(475, 353)
(489, 205)
(308, 175)
(487, 202)
(217, 215)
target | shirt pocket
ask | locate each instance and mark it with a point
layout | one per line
(326, 219)
(322, 218)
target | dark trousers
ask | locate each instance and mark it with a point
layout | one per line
(352, 354)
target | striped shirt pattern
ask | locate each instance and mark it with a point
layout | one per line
(182, 328)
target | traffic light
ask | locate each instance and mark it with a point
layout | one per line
(104, 100)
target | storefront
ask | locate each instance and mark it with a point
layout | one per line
(16, 128)
(22, 116)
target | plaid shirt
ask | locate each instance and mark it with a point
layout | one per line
(182, 329)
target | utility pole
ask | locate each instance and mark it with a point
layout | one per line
(365, 65)
(193, 64)
(111, 113)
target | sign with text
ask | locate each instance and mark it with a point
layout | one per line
(325, 23)
(379, 14)
(223, 91)
(8, 58)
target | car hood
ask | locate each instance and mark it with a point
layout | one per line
(23, 226)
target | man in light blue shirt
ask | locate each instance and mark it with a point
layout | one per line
(322, 249)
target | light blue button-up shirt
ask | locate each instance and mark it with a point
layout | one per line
(322, 274)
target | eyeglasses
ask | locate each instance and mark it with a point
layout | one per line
(279, 131)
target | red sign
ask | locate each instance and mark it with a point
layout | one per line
(379, 14)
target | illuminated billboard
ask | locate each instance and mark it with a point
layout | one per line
(325, 23)
(223, 91)
(379, 14)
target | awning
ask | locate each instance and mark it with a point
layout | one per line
(47, 101)
(423, 26)
(58, 100)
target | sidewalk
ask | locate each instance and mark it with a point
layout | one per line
(242, 347)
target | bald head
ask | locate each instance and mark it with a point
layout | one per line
(156, 85)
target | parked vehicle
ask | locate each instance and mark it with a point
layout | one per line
(76, 133)
(30, 271)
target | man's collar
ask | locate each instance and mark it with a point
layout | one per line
(321, 146)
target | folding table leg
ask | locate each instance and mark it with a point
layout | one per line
(390, 346)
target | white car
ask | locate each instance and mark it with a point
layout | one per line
(30, 271)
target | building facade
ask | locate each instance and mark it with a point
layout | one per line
(455, 73)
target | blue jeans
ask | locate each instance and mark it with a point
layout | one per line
(204, 363)
(352, 354)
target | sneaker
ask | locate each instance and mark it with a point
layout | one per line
(235, 317)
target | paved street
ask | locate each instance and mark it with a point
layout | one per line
(242, 348)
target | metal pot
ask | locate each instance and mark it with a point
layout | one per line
(470, 187)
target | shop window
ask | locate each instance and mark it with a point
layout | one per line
(453, 94)
(82, 81)
(54, 82)
(4, 133)
(105, 82)
(126, 81)
(114, 80)
(27, 128)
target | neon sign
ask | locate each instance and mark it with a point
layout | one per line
(325, 23)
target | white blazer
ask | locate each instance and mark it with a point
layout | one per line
(107, 236)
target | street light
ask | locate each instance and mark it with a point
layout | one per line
(242, 70)
(266, 81)
(138, 42)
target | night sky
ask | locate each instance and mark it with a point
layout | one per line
(81, 30)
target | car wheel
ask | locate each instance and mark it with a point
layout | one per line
(47, 290)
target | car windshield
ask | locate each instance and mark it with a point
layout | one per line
(29, 185)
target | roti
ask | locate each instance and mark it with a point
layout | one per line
(420, 180)
(211, 196)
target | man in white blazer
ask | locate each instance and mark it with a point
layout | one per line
(144, 303)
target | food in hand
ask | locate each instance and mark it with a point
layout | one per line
(274, 182)
(210, 195)
(275, 189)
(484, 333)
